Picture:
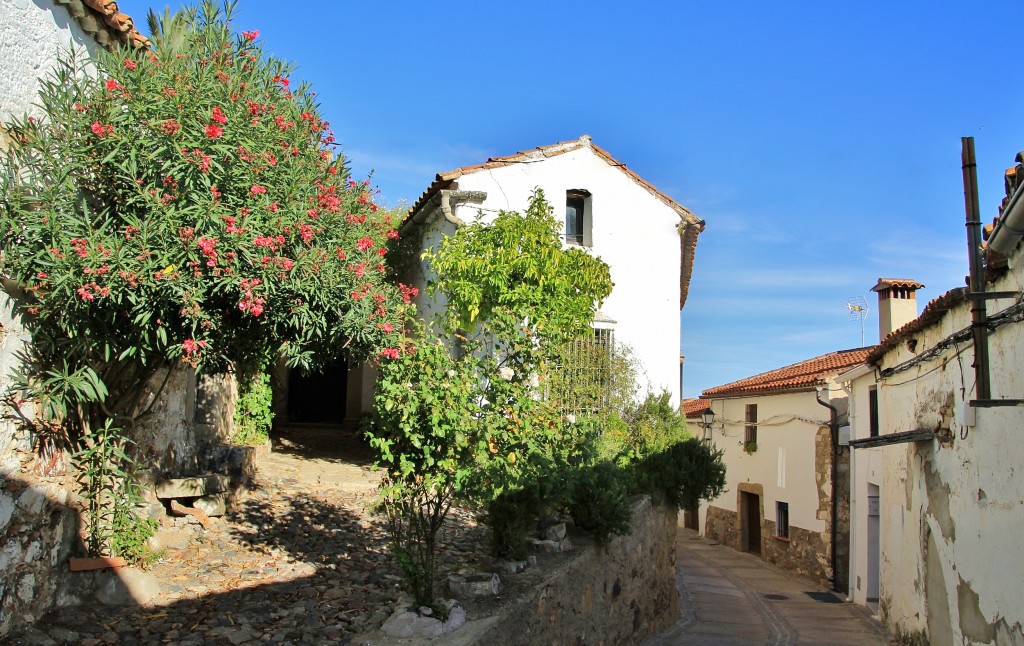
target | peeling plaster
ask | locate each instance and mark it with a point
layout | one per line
(972, 622)
(940, 628)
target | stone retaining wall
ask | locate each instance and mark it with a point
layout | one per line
(614, 596)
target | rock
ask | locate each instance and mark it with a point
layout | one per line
(194, 512)
(153, 511)
(214, 505)
(36, 637)
(192, 487)
(6, 508)
(426, 611)
(478, 584)
(32, 499)
(555, 532)
(544, 547)
(456, 617)
(404, 624)
(514, 567)
(177, 539)
(126, 586)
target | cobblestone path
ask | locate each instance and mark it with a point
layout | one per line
(301, 561)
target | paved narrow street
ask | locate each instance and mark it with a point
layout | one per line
(733, 599)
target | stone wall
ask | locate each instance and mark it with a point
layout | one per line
(722, 525)
(614, 596)
(804, 552)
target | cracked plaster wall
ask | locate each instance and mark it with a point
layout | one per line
(952, 510)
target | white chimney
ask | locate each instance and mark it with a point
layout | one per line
(897, 304)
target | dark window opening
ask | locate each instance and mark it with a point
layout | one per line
(750, 429)
(574, 220)
(577, 202)
(873, 411)
(782, 519)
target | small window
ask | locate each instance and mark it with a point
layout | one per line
(873, 411)
(576, 219)
(782, 519)
(750, 428)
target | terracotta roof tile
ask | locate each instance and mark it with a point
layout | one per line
(799, 376)
(933, 312)
(885, 283)
(691, 225)
(694, 406)
(102, 20)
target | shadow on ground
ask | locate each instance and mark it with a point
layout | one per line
(323, 442)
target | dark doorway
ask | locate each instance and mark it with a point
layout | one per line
(691, 519)
(318, 398)
(750, 512)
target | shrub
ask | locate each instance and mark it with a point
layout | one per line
(253, 414)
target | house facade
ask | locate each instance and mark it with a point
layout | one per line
(786, 473)
(938, 501)
(37, 528)
(647, 239)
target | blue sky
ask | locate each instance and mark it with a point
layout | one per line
(820, 141)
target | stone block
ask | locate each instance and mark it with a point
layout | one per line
(6, 508)
(126, 586)
(477, 584)
(193, 487)
(405, 624)
(215, 505)
(555, 532)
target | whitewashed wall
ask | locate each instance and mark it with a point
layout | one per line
(36, 527)
(784, 462)
(33, 34)
(632, 231)
(951, 513)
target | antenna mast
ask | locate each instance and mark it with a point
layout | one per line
(858, 310)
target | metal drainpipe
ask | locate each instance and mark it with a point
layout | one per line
(833, 427)
(979, 315)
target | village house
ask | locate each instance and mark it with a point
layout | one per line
(787, 473)
(646, 237)
(937, 504)
(36, 526)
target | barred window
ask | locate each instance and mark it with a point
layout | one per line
(582, 379)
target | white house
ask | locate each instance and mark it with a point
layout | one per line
(938, 503)
(36, 527)
(786, 474)
(647, 239)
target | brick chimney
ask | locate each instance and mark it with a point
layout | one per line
(897, 303)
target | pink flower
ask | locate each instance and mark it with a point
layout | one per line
(191, 346)
(206, 245)
(41, 275)
(387, 327)
(113, 85)
(251, 35)
(213, 131)
(101, 130)
(130, 64)
(364, 244)
(257, 190)
(392, 234)
(390, 353)
(217, 116)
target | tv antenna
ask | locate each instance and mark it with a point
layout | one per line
(858, 311)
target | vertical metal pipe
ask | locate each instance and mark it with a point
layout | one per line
(979, 316)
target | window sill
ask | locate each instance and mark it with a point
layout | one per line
(784, 539)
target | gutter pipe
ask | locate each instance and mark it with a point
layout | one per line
(1009, 229)
(979, 314)
(833, 427)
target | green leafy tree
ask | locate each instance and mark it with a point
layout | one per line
(521, 299)
(184, 206)
(427, 406)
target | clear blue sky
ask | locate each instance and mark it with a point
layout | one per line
(820, 141)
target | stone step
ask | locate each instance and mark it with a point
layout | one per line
(193, 487)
